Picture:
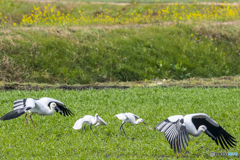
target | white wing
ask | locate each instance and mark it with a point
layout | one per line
(102, 122)
(121, 116)
(78, 124)
(204, 116)
(48, 100)
(28, 103)
(62, 109)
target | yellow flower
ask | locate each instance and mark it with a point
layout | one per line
(211, 39)
(191, 34)
(145, 80)
(14, 24)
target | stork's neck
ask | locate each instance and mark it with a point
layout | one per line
(196, 133)
(94, 121)
(51, 111)
(137, 122)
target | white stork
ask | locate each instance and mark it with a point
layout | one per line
(176, 130)
(129, 118)
(90, 120)
(42, 106)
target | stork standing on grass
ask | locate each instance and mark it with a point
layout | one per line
(176, 130)
(129, 118)
(90, 120)
(42, 106)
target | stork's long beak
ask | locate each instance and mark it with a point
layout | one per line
(147, 125)
(59, 110)
(209, 134)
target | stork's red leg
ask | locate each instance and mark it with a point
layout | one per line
(26, 118)
(175, 153)
(181, 154)
(32, 121)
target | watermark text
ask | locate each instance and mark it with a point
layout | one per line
(212, 154)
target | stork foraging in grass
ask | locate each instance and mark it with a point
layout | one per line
(176, 130)
(90, 120)
(42, 106)
(129, 118)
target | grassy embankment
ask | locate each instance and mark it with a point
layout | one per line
(45, 51)
(55, 138)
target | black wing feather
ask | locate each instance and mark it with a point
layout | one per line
(222, 136)
(13, 114)
(64, 109)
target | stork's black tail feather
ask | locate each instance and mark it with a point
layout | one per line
(13, 114)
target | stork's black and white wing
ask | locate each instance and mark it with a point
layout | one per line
(222, 136)
(61, 108)
(136, 117)
(175, 132)
(131, 116)
(19, 107)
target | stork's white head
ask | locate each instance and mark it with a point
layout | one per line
(53, 105)
(204, 129)
(96, 115)
(140, 120)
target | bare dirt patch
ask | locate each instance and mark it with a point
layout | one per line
(219, 82)
(19, 86)
(75, 28)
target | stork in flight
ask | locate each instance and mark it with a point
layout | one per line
(129, 118)
(176, 130)
(42, 106)
(90, 120)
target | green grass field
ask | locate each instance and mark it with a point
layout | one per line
(55, 138)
